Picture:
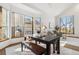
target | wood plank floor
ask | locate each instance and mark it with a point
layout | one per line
(76, 48)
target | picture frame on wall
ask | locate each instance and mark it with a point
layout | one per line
(37, 23)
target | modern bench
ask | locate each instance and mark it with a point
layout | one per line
(37, 49)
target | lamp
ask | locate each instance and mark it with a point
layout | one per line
(44, 27)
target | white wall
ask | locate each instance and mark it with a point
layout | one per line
(76, 24)
(46, 19)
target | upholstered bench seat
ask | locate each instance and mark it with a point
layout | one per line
(37, 49)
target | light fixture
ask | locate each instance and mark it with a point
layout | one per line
(44, 27)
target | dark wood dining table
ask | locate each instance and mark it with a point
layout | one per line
(48, 41)
(55, 40)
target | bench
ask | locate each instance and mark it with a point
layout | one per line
(9, 43)
(37, 49)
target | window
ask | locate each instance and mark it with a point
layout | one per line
(17, 25)
(28, 25)
(37, 23)
(67, 24)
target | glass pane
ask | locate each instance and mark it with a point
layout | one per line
(37, 23)
(4, 23)
(63, 24)
(28, 25)
(67, 25)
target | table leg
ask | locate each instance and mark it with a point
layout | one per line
(47, 49)
(21, 46)
(58, 46)
(53, 47)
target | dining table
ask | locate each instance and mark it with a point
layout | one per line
(55, 40)
(48, 40)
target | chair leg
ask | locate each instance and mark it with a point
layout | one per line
(21, 46)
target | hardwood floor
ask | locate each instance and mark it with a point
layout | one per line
(73, 47)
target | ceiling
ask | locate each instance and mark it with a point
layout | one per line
(48, 9)
(51, 9)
